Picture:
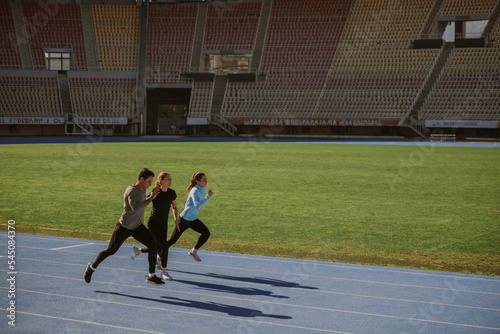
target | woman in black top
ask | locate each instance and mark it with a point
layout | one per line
(158, 221)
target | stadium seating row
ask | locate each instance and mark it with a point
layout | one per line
(337, 59)
(469, 87)
(61, 29)
(29, 97)
(170, 42)
(375, 67)
(300, 46)
(467, 7)
(103, 97)
(201, 99)
(232, 27)
(117, 36)
(9, 54)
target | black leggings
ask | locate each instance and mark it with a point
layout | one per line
(196, 225)
(120, 234)
(159, 231)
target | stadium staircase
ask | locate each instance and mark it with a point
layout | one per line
(22, 35)
(220, 84)
(88, 36)
(199, 35)
(431, 19)
(72, 126)
(492, 21)
(411, 119)
(62, 82)
(261, 35)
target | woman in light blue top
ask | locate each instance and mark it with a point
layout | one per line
(189, 217)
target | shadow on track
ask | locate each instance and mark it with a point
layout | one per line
(208, 306)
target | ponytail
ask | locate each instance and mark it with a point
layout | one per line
(194, 178)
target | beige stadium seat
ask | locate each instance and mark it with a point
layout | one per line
(117, 36)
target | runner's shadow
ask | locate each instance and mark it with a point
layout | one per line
(256, 280)
(208, 306)
(232, 289)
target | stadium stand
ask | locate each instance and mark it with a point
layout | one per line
(201, 99)
(22, 96)
(103, 97)
(300, 45)
(170, 42)
(117, 36)
(9, 52)
(61, 28)
(232, 27)
(307, 60)
(469, 88)
(375, 74)
(495, 34)
(467, 7)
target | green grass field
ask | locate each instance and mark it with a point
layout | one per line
(418, 207)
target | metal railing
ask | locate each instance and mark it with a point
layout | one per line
(224, 124)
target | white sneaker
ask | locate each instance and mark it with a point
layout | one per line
(194, 254)
(166, 276)
(134, 252)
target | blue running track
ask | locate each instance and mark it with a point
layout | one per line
(76, 140)
(232, 293)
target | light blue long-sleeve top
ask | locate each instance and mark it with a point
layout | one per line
(195, 201)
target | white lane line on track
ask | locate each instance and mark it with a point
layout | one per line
(215, 279)
(86, 322)
(289, 274)
(413, 320)
(135, 306)
(299, 262)
(73, 246)
(256, 301)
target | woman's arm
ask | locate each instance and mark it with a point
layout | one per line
(174, 211)
(135, 199)
(198, 199)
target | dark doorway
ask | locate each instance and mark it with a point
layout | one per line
(167, 111)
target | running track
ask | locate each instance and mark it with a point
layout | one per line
(233, 293)
(51, 140)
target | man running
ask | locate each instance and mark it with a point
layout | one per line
(130, 225)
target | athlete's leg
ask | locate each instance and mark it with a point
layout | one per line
(120, 234)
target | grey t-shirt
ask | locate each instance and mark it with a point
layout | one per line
(133, 207)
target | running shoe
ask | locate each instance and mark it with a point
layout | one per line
(154, 280)
(134, 252)
(88, 273)
(194, 254)
(166, 276)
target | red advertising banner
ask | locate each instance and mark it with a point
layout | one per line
(313, 122)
